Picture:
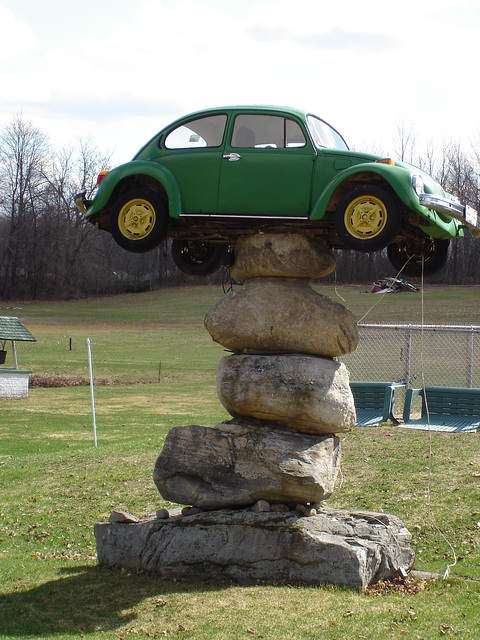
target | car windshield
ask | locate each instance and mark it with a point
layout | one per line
(324, 135)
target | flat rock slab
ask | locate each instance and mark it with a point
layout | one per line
(279, 315)
(238, 463)
(337, 547)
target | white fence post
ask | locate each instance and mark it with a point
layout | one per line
(91, 391)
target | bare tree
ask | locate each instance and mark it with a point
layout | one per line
(405, 142)
(45, 244)
(66, 234)
(48, 249)
(23, 149)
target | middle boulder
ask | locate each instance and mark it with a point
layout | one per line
(306, 393)
(279, 314)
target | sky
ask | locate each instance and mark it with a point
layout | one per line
(117, 71)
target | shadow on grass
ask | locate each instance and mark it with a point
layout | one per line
(92, 599)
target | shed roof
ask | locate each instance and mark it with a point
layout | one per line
(12, 329)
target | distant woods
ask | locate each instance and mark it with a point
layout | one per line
(49, 251)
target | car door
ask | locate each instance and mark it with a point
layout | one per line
(267, 168)
(192, 151)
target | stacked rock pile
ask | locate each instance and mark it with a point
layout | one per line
(288, 397)
(284, 387)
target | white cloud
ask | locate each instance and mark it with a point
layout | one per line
(362, 66)
(16, 38)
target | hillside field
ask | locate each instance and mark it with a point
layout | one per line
(154, 366)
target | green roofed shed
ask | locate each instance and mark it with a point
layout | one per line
(11, 329)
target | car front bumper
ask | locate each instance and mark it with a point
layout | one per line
(461, 212)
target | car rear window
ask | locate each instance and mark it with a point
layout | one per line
(199, 133)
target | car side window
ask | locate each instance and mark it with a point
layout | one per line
(294, 136)
(266, 132)
(199, 133)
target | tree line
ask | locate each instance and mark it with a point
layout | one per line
(49, 251)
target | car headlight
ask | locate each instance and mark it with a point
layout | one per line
(417, 184)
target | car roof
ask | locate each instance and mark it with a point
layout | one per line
(257, 108)
(238, 109)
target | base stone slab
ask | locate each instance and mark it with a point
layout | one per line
(353, 549)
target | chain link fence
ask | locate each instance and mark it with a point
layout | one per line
(430, 355)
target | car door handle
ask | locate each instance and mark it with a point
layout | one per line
(232, 157)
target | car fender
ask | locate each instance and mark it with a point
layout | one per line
(400, 180)
(133, 169)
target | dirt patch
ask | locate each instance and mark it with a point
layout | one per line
(408, 585)
(47, 381)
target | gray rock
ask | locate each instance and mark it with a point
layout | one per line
(279, 506)
(352, 549)
(238, 464)
(306, 393)
(306, 510)
(122, 516)
(280, 315)
(191, 511)
(281, 255)
(262, 506)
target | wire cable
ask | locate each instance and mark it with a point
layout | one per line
(430, 446)
(383, 294)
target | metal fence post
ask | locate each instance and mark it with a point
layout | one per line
(449, 355)
(408, 356)
(470, 358)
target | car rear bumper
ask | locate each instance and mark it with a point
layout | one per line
(461, 212)
(81, 202)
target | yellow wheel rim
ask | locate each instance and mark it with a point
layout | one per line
(136, 219)
(365, 217)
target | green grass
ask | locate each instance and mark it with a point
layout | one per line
(54, 485)
(188, 306)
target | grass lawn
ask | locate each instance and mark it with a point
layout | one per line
(157, 367)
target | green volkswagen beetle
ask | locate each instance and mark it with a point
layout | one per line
(217, 174)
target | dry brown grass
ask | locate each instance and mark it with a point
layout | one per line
(47, 381)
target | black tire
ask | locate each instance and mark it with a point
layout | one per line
(367, 218)
(412, 261)
(139, 220)
(196, 258)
